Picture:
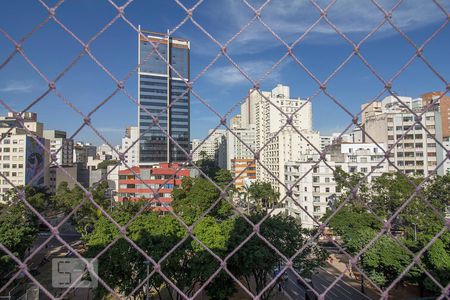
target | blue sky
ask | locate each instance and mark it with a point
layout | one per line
(222, 86)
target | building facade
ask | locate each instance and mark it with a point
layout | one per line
(158, 179)
(23, 160)
(244, 171)
(163, 93)
(277, 146)
(413, 146)
(313, 184)
(209, 147)
(81, 152)
(440, 102)
(61, 146)
(130, 146)
(241, 144)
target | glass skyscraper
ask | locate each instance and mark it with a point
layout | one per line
(163, 92)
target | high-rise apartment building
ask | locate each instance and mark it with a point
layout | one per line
(240, 144)
(209, 147)
(23, 160)
(313, 185)
(163, 93)
(61, 146)
(440, 103)
(130, 144)
(414, 148)
(287, 144)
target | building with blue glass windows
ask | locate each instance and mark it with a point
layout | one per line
(163, 93)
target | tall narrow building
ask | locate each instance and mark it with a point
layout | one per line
(163, 93)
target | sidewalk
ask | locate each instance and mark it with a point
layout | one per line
(338, 267)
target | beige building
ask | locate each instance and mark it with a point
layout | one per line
(413, 146)
(441, 103)
(23, 161)
(240, 144)
(210, 147)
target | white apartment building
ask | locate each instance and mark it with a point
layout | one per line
(132, 150)
(446, 165)
(61, 146)
(325, 140)
(210, 146)
(313, 186)
(288, 144)
(240, 144)
(417, 151)
(22, 160)
(105, 152)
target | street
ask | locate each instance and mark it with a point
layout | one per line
(321, 281)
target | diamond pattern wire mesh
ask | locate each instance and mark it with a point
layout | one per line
(255, 84)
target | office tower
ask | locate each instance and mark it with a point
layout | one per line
(163, 93)
(61, 146)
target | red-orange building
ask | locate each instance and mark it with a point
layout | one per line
(241, 169)
(159, 179)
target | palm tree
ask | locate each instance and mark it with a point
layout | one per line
(263, 194)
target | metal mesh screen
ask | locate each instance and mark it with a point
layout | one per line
(124, 230)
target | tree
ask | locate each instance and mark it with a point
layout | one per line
(110, 162)
(416, 224)
(256, 261)
(19, 226)
(263, 194)
(208, 166)
(67, 199)
(190, 265)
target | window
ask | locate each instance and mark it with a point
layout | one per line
(327, 190)
(327, 179)
(364, 170)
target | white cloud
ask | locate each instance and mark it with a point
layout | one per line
(17, 87)
(256, 70)
(291, 18)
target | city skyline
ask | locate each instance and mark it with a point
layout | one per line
(222, 86)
